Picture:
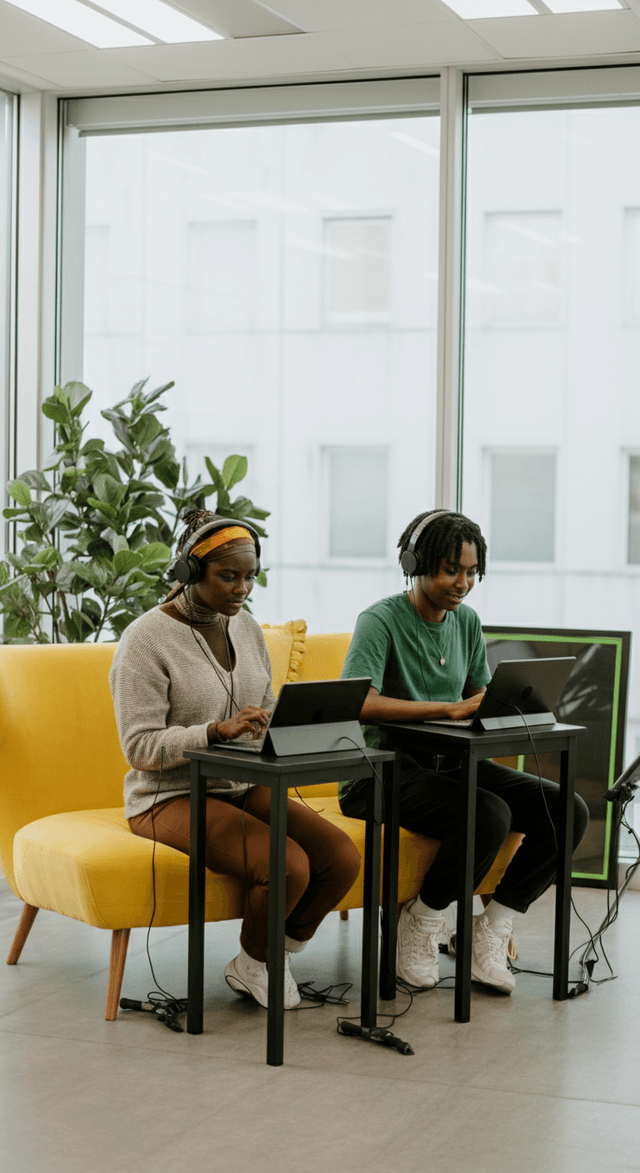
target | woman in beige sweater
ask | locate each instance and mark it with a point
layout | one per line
(195, 671)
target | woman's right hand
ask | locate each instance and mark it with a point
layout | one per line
(252, 719)
(459, 710)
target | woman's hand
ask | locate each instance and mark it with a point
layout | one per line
(251, 719)
(461, 709)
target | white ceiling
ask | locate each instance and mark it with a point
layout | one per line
(295, 40)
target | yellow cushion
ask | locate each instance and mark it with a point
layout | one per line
(286, 645)
(324, 656)
(58, 736)
(89, 865)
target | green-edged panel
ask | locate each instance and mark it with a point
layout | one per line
(596, 697)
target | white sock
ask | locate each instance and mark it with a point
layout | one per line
(419, 908)
(293, 946)
(500, 918)
(251, 961)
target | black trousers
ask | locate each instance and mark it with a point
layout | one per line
(430, 801)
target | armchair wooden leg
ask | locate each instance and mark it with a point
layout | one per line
(119, 944)
(344, 914)
(29, 913)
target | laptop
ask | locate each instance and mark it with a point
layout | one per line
(312, 716)
(532, 686)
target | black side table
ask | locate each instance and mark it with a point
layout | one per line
(281, 774)
(470, 748)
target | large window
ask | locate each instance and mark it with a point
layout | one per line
(285, 276)
(552, 413)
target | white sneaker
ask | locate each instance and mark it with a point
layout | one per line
(418, 936)
(246, 976)
(489, 956)
(291, 992)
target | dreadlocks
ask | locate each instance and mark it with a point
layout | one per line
(442, 540)
(194, 520)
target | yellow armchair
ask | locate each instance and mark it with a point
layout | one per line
(65, 844)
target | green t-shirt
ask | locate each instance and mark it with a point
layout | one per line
(401, 652)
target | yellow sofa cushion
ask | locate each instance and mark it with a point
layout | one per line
(324, 656)
(286, 646)
(89, 865)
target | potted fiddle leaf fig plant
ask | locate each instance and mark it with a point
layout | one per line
(97, 526)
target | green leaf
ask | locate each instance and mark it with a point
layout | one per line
(167, 472)
(108, 489)
(55, 411)
(78, 395)
(215, 474)
(126, 560)
(262, 514)
(155, 556)
(116, 541)
(66, 576)
(151, 396)
(20, 492)
(55, 509)
(36, 480)
(47, 558)
(234, 469)
(93, 574)
(146, 429)
(14, 513)
(103, 507)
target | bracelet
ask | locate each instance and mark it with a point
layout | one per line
(216, 733)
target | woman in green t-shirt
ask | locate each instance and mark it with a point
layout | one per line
(426, 657)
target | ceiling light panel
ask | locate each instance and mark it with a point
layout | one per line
(479, 9)
(160, 20)
(581, 5)
(82, 22)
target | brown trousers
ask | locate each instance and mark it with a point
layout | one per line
(322, 862)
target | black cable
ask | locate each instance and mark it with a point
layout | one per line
(587, 963)
(163, 1004)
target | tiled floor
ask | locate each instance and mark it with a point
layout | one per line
(528, 1085)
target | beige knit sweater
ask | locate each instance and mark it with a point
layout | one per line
(166, 692)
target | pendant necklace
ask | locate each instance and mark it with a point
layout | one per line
(428, 631)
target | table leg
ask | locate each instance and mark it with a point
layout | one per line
(371, 905)
(390, 878)
(275, 953)
(563, 878)
(462, 999)
(195, 977)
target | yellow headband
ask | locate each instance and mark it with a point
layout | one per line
(220, 539)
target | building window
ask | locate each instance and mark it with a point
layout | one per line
(633, 542)
(632, 266)
(523, 506)
(523, 268)
(358, 483)
(221, 279)
(358, 269)
(96, 278)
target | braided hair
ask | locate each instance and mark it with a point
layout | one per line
(442, 540)
(194, 520)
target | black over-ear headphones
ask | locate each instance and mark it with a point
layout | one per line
(188, 569)
(408, 560)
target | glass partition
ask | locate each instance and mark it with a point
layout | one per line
(552, 352)
(285, 276)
